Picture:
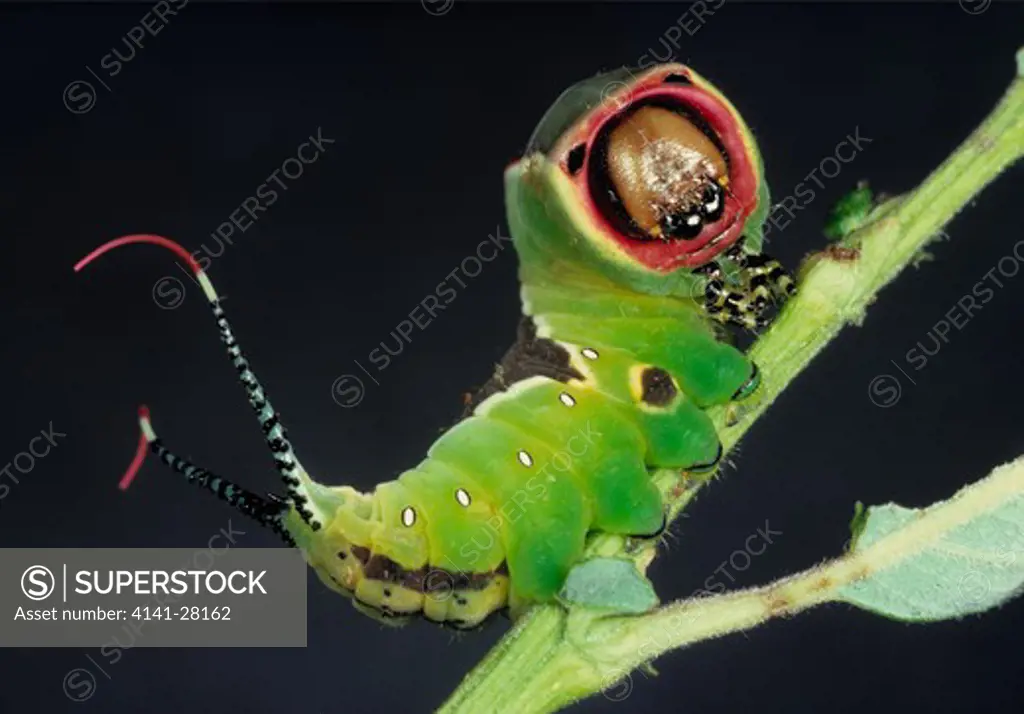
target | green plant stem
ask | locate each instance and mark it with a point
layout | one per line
(553, 655)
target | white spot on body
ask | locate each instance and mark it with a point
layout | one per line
(589, 353)
(408, 516)
(525, 459)
(566, 399)
(462, 496)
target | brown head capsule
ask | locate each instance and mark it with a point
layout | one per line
(668, 174)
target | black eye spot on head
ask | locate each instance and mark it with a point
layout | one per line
(387, 592)
(574, 161)
(676, 79)
(658, 387)
(712, 202)
(688, 224)
(342, 554)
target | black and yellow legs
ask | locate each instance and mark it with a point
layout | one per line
(742, 295)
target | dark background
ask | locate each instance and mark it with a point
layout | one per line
(427, 110)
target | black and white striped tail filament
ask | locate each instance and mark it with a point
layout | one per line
(265, 512)
(274, 432)
(299, 486)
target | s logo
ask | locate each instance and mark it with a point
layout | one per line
(38, 582)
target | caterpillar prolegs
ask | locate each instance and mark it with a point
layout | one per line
(636, 215)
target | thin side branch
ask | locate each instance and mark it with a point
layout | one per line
(631, 641)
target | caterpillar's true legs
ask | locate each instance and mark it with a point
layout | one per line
(743, 297)
(762, 270)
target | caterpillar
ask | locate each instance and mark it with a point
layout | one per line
(636, 213)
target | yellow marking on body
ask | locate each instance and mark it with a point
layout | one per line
(636, 386)
(636, 389)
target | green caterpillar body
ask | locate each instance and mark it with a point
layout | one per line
(636, 215)
(614, 366)
(508, 495)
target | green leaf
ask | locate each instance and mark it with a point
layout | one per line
(610, 584)
(969, 567)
